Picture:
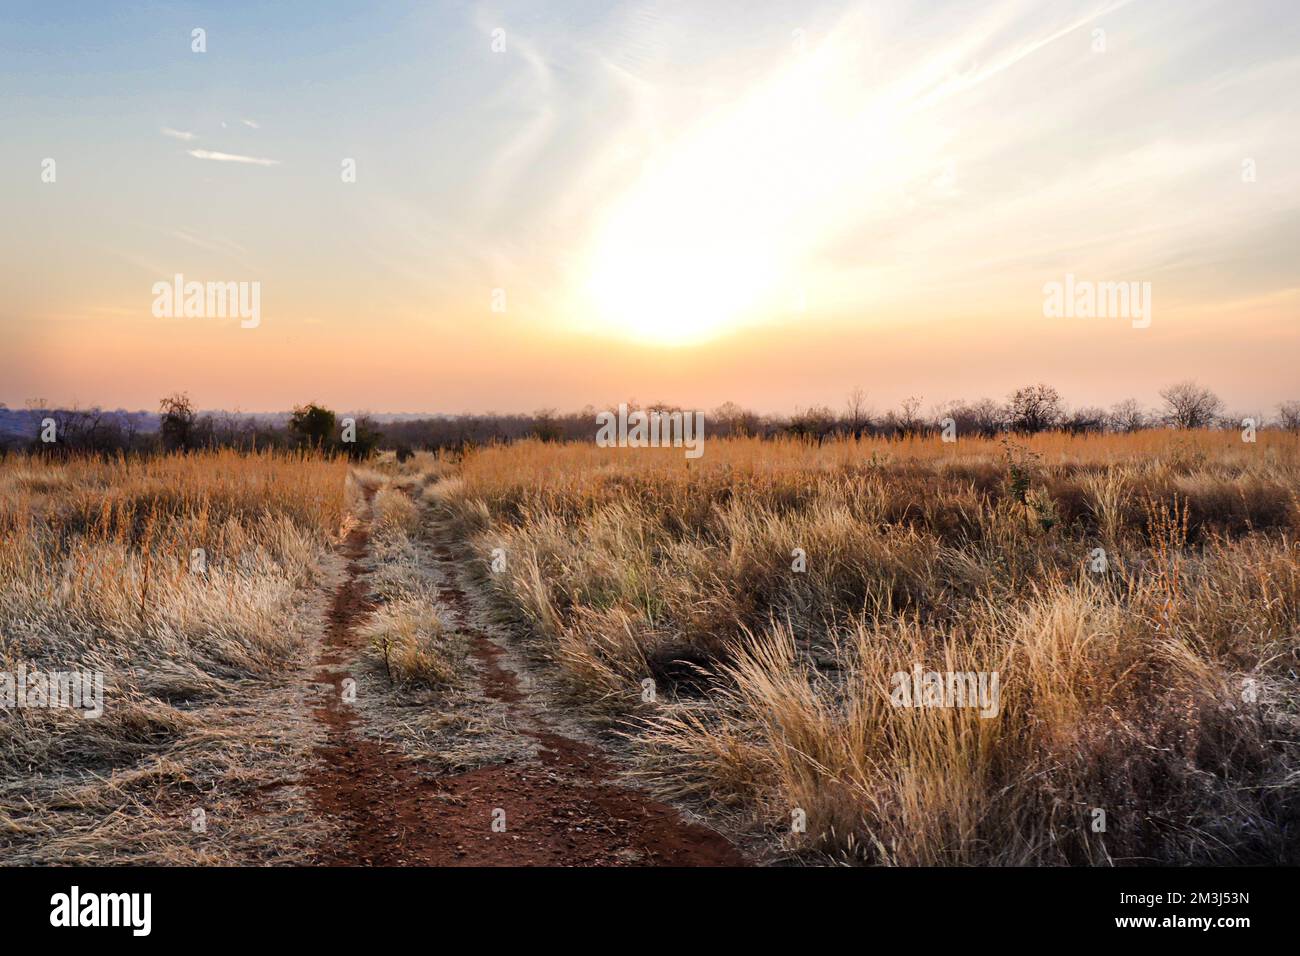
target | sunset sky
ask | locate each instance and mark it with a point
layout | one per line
(763, 202)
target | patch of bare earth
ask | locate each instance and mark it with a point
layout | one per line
(557, 796)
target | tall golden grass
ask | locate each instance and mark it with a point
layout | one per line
(179, 578)
(412, 629)
(1160, 691)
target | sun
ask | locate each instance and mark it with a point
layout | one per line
(708, 236)
(671, 270)
(718, 228)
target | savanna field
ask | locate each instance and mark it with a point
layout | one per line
(98, 570)
(729, 625)
(853, 440)
(1121, 690)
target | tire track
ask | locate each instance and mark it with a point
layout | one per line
(561, 807)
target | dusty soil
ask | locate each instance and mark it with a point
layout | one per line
(559, 805)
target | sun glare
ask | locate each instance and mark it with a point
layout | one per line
(672, 275)
(717, 231)
(702, 242)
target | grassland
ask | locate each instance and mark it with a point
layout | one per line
(1161, 691)
(182, 580)
(736, 619)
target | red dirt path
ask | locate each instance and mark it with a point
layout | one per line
(561, 809)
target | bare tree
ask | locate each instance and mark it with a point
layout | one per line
(989, 417)
(1189, 405)
(1084, 420)
(727, 417)
(909, 415)
(736, 420)
(816, 421)
(1128, 416)
(1288, 416)
(176, 418)
(958, 412)
(857, 413)
(547, 427)
(1034, 408)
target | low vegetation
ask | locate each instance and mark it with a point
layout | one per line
(411, 629)
(742, 616)
(743, 619)
(180, 580)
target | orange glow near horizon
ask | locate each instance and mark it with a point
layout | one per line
(658, 207)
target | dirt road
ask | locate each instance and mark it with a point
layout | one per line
(558, 806)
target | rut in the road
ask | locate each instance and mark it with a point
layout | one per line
(560, 808)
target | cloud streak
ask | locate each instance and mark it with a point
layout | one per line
(232, 158)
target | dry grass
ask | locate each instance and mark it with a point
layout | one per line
(181, 580)
(411, 630)
(1161, 690)
(416, 642)
(395, 512)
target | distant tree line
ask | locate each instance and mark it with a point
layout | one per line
(1027, 410)
(316, 429)
(180, 428)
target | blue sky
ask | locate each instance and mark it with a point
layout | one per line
(764, 202)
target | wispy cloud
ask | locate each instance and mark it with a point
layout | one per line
(251, 124)
(182, 135)
(534, 86)
(224, 246)
(232, 158)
